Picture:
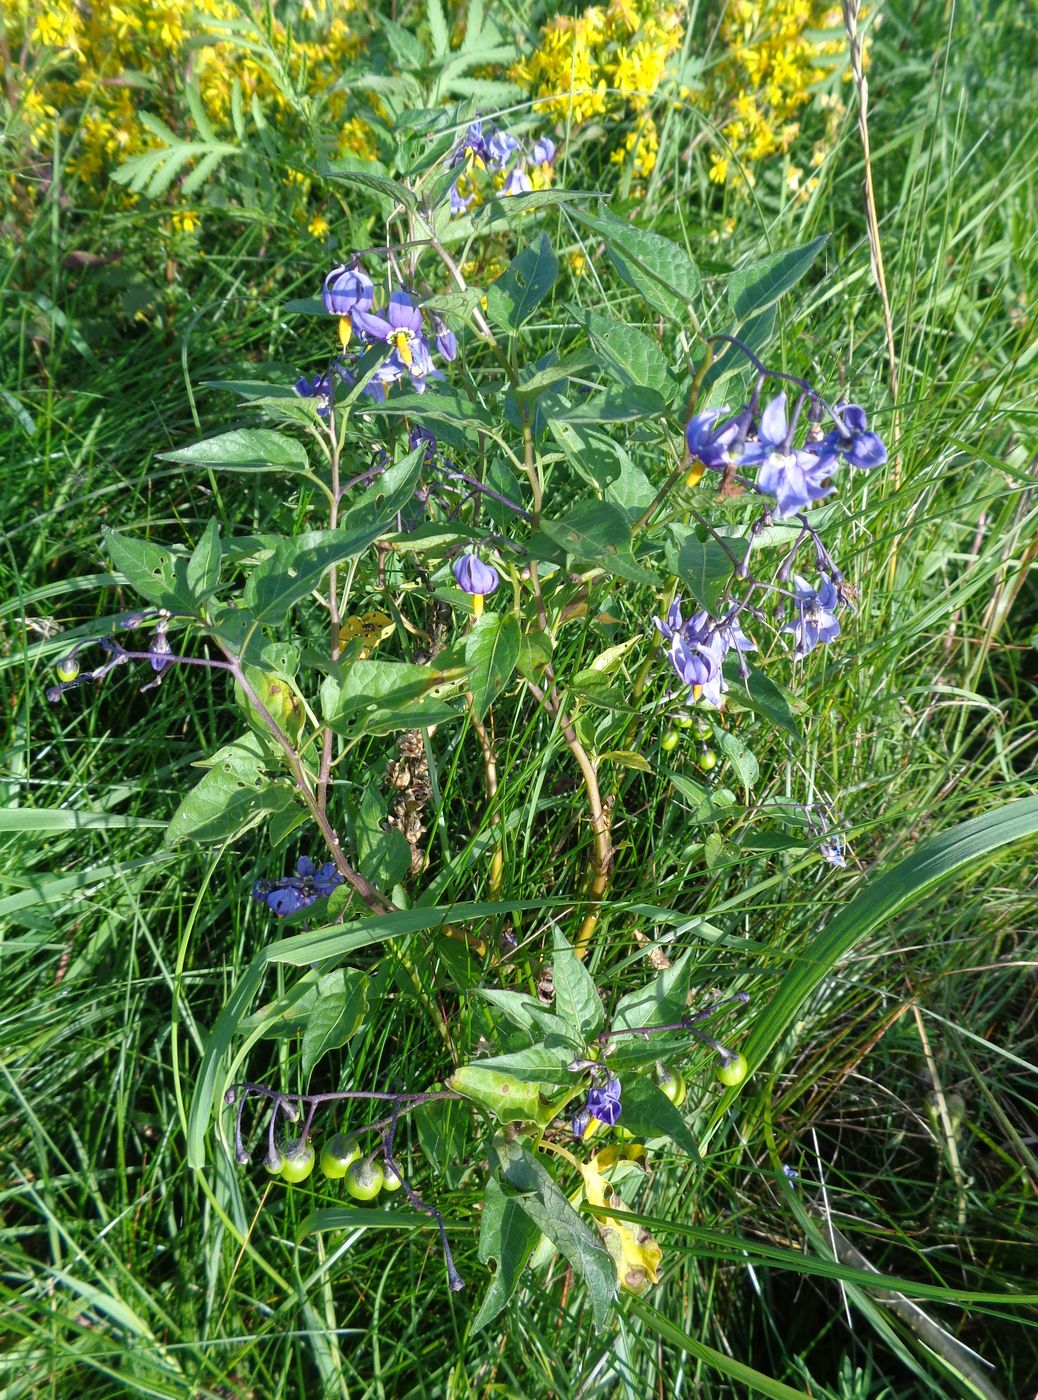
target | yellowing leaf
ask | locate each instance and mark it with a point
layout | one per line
(634, 1251)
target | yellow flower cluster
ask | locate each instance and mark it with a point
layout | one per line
(83, 72)
(776, 52)
(606, 63)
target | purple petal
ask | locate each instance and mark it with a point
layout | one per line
(773, 425)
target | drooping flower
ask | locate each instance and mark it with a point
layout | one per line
(502, 147)
(603, 1101)
(459, 201)
(581, 1123)
(347, 290)
(475, 578)
(858, 446)
(518, 182)
(318, 388)
(298, 891)
(707, 443)
(543, 151)
(832, 849)
(472, 149)
(446, 340)
(698, 648)
(794, 477)
(815, 622)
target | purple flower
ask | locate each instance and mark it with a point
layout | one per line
(502, 148)
(795, 478)
(159, 651)
(346, 290)
(446, 340)
(857, 445)
(603, 1102)
(473, 148)
(543, 151)
(474, 576)
(318, 388)
(815, 622)
(459, 202)
(518, 182)
(400, 326)
(698, 648)
(832, 850)
(298, 891)
(581, 1123)
(708, 444)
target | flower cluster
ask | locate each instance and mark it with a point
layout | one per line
(698, 648)
(295, 892)
(795, 476)
(776, 56)
(607, 62)
(400, 326)
(74, 60)
(515, 167)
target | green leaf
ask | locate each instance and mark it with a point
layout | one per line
(523, 285)
(746, 767)
(703, 566)
(576, 997)
(337, 1014)
(234, 795)
(596, 457)
(661, 271)
(532, 383)
(707, 804)
(244, 447)
(758, 284)
(539, 1197)
(151, 570)
(524, 1011)
(631, 404)
(492, 652)
(647, 1113)
(660, 1002)
(298, 566)
(598, 533)
(507, 1237)
(542, 1064)
(438, 31)
(345, 174)
(439, 405)
(763, 696)
(966, 847)
(629, 355)
(377, 697)
(203, 568)
(504, 1097)
(388, 494)
(507, 207)
(383, 855)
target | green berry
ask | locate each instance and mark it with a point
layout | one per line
(364, 1180)
(683, 721)
(703, 728)
(337, 1154)
(390, 1182)
(731, 1071)
(67, 668)
(673, 1086)
(707, 760)
(273, 1162)
(299, 1161)
(669, 740)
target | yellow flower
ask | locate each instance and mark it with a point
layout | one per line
(186, 220)
(718, 170)
(318, 226)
